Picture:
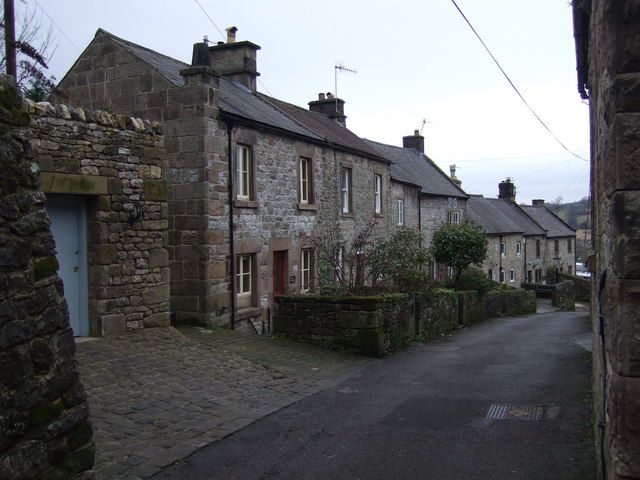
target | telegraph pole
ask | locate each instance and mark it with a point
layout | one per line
(10, 37)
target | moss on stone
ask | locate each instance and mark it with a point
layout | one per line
(44, 267)
(155, 190)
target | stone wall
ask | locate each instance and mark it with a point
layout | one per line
(44, 427)
(433, 213)
(567, 256)
(370, 326)
(117, 165)
(564, 296)
(614, 86)
(582, 286)
(533, 261)
(437, 312)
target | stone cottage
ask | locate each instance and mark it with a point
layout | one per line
(250, 178)
(522, 239)
(560, 251)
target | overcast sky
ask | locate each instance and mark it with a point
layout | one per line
(415, 60)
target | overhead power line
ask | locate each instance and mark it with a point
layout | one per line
(224, 37)
(56, 25)
(513, 85)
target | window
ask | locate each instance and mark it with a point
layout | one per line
(501, 275)
(569, 245)
(529, 276)
(570, 270)
(490, 274)
(243, 275)
(538, 248)
(378, 194)
(453, 217)
(243, 172)
(556, 246)
(538, 274)
(512, 275)
(306, 270)
(345, 181)
(400, 212)
(518, 248)
(305, 188)
(449, 272)
(503, 249)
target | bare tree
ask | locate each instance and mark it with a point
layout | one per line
(35, 45)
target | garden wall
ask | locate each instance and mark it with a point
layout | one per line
(582, 286)
(371, 326)
(563, 296)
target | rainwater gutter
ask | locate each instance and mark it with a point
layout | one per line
(232, 261)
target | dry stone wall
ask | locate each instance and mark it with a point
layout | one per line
(117, 164)
(44, 427)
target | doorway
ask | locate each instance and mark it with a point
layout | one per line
(69, 228)
(280, 271)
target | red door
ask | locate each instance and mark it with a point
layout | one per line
(279, 272)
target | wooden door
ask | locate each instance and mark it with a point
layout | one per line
(280, 272)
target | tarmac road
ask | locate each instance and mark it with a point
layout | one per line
(506, 399)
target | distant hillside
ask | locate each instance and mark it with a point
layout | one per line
(575, 213)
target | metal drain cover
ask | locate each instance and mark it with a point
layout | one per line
(522, 412)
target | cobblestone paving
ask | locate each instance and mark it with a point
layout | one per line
(159, 394)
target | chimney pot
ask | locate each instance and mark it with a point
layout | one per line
(416, 133)
(231, 34)
(200, 56)
(329, 95)
(321, 96)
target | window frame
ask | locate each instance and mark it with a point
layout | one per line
(377, 190)
(453, 217)
(305, 181)
(538, 250)
(569, 245)
(400, 206)
(556, 247)
(518, 247)
(306, 266)
(346, 190)
(502, 276)
(490, 274)
(244, 192)
(512, 275)
(503, 249)
(240, 273)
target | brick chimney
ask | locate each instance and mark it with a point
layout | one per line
(330, 106)
(506, 189)
(454, 179)
(538, 202)
(236, 60)
(415, 141)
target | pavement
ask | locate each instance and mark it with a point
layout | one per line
(505, 399)
(160, 394)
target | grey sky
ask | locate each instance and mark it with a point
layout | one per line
(415, 60)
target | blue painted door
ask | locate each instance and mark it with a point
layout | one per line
(68, 225)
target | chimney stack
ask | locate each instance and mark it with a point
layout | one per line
(538, 202)
(330, 106)
(506, 189)
(454, 179)
(231, 34)
(236, 60)
(415, 141)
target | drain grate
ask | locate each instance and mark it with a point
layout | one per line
(521, 412)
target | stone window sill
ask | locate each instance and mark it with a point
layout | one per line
(348, 215)
(378, 215)
(246, 204)
(307, 206)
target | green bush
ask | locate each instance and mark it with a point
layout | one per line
(473, 279)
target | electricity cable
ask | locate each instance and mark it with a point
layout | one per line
(514, 86)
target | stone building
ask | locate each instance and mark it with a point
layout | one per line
(103, 177)
(242, 166)
(560, 238)
(608, 61)
(441, 200)
(524, 241)
(506, 238)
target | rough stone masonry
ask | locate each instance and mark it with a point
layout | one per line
(44, 427)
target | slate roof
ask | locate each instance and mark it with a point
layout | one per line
(411, 166)
(493, 215)
(325, 127)
(549, 221)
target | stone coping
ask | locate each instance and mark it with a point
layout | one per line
(99, 117)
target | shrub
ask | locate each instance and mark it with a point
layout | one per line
(473, 279)
(459, 246)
